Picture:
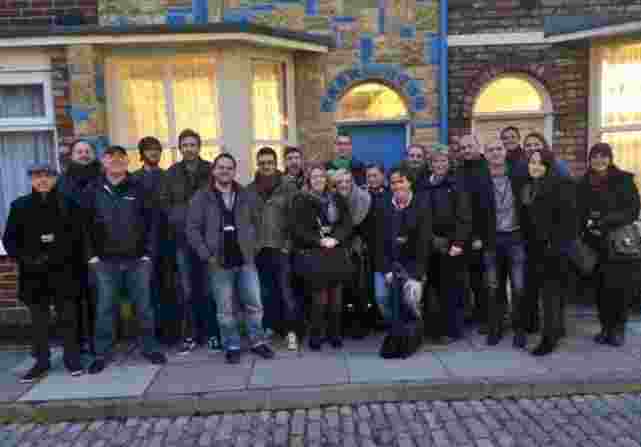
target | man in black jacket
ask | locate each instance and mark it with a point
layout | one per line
(119, 248)
(183, 179)
(40, 235)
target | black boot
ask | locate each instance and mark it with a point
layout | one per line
(602, 337)
(546, 346)
(520, 340)
(334, 318)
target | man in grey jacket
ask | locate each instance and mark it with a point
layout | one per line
(179, 185)
(221, 231)
(270, 195)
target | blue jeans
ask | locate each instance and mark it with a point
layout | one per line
(198, 311)
(510, 250)
(281, 308)
(112, 276)
(243, 283)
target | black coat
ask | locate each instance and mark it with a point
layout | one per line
(22, 241)
(306, 210)
(451, 212)
(549, 220)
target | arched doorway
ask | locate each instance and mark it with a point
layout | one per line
(376, 118)
(513, 99)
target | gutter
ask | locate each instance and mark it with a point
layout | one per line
(443, 68)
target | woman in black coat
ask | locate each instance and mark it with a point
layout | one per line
(321, 222)
(549, 224)
(608, 199)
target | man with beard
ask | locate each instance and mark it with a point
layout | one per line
(179, 185)
(294, 171)
(220, 229)
(270, 196)
(150, 176)
(417, 164)
(345, 160)
(82, 170)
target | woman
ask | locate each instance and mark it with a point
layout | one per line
(452, 225)
(549, 224)
(535, 141)
(608, 199)
(321, 226)
(402, 231)
(355, 293)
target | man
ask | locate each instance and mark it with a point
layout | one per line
(473, 168)
(270, 196)
(294, 171)
(42, 235)
(511, 139)
(345, 160)
(119, 235)
(496, 206)
(181, 182)
(417, 162)
(83, 169)
(150, 177)
(221, 231)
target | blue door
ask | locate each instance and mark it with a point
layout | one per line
(377, 143)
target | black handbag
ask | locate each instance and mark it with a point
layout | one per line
(583, 257)
(319, 267)
(624, 243)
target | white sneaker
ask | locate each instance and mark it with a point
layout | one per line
(292, 342)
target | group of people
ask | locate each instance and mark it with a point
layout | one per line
(317, 251)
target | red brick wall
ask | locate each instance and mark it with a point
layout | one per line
(8, 281)
(15, 13)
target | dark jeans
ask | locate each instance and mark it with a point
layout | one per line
(112, 276)
(510, 250)
(614, 285)
(198, 309)
(356, 313)
(86, 308)
(50, 289)
(475, 271)
(282, 310)
(448, 278)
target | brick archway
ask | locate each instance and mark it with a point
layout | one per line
(391, 76)
(544, 75)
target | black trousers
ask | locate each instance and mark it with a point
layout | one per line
(614, 285)
(553, 275)
(326, 311)
(85, 309)
(46, 289)
(477, 285)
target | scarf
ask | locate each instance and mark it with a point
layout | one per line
(598, 181)
(81, 174)
(265, 185)
(359, 204)
(342, 163)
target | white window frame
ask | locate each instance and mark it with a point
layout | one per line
(596, 129)
(547, 112)
(45, 123)
(114, 119)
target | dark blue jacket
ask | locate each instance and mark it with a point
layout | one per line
(413, 223)
(118, 225)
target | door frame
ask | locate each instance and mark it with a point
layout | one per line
(403, 122)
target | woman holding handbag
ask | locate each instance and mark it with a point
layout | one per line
(608, 206)
(321, 225)
(549, 224)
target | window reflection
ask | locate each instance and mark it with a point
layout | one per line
(509, 94)
(371, 102)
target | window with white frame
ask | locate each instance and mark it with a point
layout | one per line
(616, 115)
(270, 110)
(27, 132)
(160, 97)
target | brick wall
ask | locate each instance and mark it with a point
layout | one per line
(500, 16)
(15, 13)
(8, 277)
(563, 72)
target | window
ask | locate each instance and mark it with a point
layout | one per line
(270, 115)
(513, 99)
(27, 133)
(371, 102)
(615, 109)
(161, 96)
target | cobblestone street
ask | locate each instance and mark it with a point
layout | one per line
(585, 421)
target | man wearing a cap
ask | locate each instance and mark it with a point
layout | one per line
(119, 248)
(42, 237)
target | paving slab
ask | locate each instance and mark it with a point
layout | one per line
(292, 372)
(10, 387)
(591, 362)
(495, 363)
(371, 368)
(11, 359)
(114, 381)
(202, 377)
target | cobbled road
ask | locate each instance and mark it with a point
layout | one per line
(585, 421)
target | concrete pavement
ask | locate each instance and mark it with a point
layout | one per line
(202, 383)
